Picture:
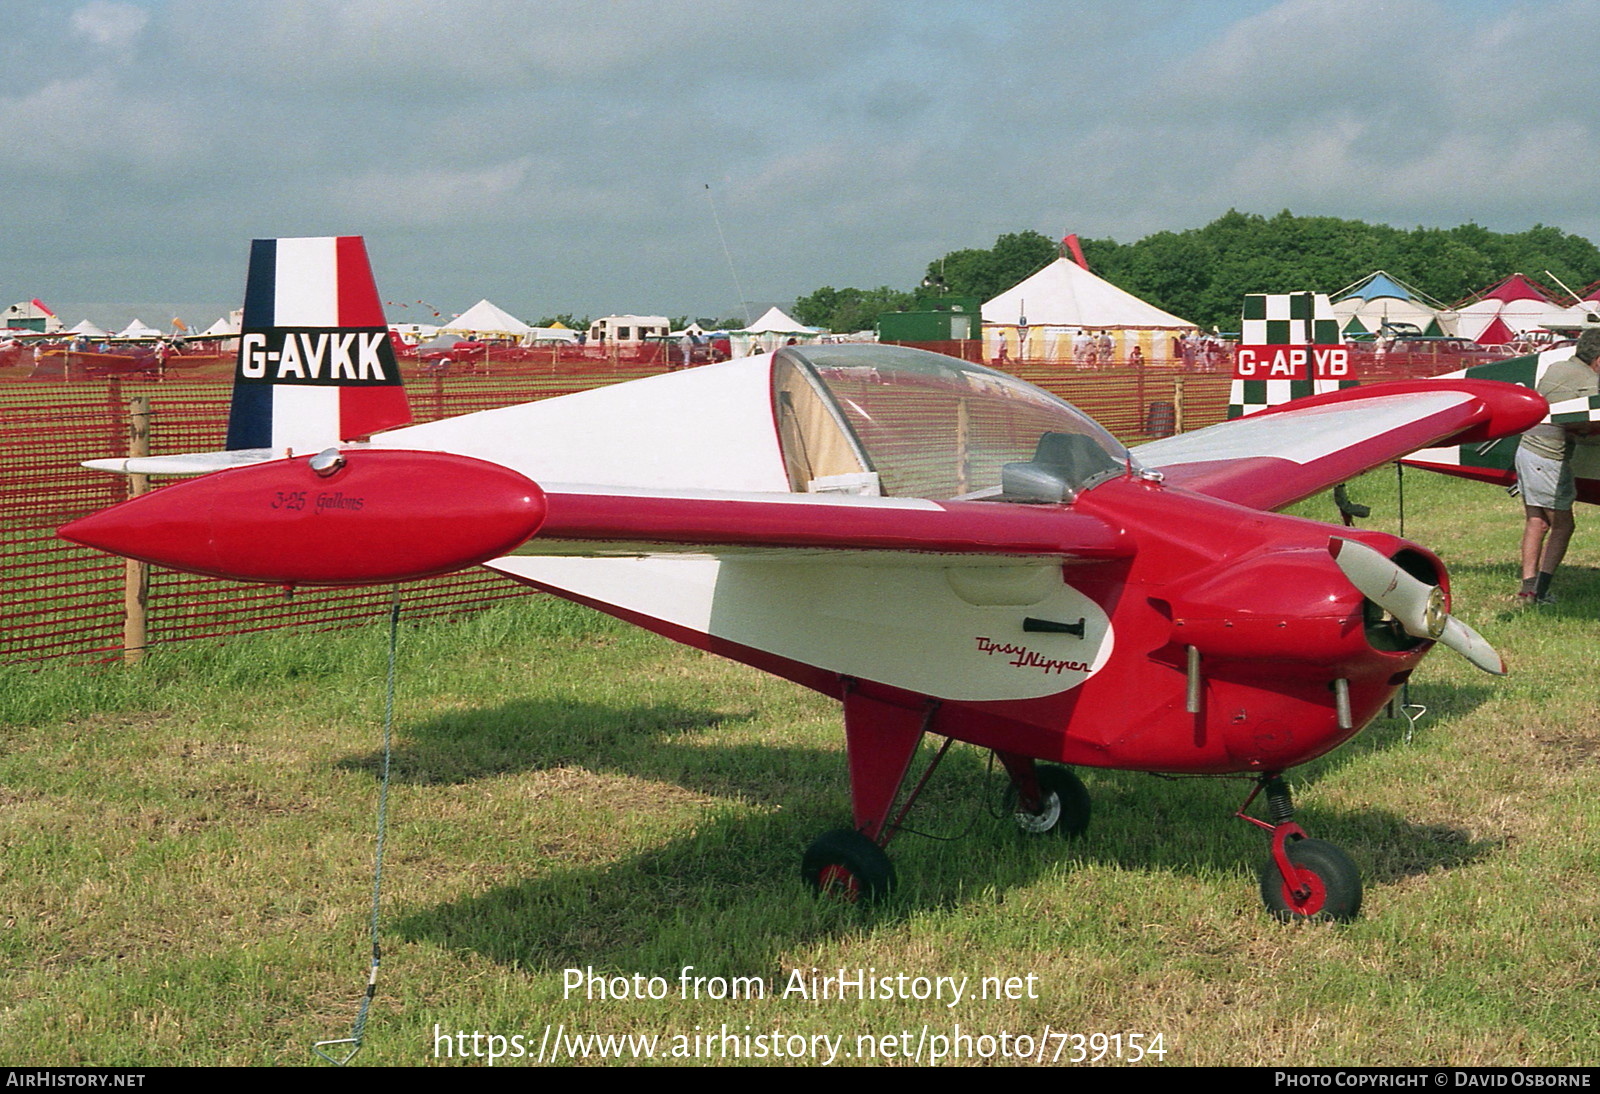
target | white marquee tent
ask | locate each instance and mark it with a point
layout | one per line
(1044, 313)
(486, 318)
(772, 330)
(776, 322)
(138, 329)
(224, 326)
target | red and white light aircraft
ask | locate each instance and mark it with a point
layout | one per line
(943, 548)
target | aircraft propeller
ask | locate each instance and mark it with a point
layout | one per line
(1417, 606)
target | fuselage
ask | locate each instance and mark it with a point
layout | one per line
(1089, 663)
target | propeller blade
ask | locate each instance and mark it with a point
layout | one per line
(1384, 583)
(1415, 605)
(1472, 645)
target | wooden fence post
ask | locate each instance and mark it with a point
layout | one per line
(136, 586)
(1177, 403)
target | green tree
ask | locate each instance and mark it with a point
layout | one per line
(1202, 274)
(988, 273)
(566, 319)
(850, 309)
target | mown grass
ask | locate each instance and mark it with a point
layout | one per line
(187, 850)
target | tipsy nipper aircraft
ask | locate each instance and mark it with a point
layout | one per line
(943, 548)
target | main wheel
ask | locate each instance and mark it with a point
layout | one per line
(847, 865)
(1066, 804)
(1326, 885)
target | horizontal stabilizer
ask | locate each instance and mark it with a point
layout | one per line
(1580, 415)
(190, 463)
(1492, 461)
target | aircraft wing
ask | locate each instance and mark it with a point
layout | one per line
(896, 590)
(390, 515)
(583, 520)
(1276, 457)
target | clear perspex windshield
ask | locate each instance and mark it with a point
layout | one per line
(874, 419)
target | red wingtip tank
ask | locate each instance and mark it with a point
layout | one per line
(340, 518)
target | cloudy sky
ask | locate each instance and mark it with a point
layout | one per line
(555, 156)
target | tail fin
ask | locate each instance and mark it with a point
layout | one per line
(1289, 348)
(315, 363)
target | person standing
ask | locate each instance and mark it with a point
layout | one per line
(1082, 349)
(1544, 472)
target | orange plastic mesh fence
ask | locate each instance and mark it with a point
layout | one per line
(63, 600)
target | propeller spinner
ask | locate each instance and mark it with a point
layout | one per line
(1417, 606)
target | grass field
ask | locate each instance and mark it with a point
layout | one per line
(187, 849)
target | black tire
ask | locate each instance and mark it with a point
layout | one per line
(1066, 805)
(848, 866)
(1333, 882)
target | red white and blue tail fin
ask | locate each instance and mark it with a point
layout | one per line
(315, 363)
(316, 367)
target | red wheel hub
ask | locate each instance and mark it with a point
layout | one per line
(1308, 894)
(838, 882)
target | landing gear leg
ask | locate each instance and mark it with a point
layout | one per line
(1304, 878)
(881, 738)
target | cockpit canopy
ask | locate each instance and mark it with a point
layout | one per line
(898, 422)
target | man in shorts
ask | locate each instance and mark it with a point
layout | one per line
(1544, 472)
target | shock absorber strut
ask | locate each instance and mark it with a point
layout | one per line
(1280, 807)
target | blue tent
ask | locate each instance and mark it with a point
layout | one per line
(1381, 298)
(1379, 284)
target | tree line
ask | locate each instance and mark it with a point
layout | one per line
(1203, 274)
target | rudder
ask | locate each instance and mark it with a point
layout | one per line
(315, 364)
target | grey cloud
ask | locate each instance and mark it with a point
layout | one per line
(114, 25)
(553, 156)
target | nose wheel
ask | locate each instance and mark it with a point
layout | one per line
(1304, 878)
(1324, 883)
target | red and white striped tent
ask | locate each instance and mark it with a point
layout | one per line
(1501, 314)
